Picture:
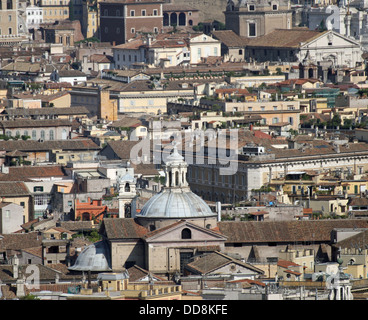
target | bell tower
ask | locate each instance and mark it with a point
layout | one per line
(127, 195)
(176, 170)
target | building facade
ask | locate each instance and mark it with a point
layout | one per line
(121, 21)
(257, 18)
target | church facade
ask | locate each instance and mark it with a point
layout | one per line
(174, 226)
(257, 18)
(299, 44)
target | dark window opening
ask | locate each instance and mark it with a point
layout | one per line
(186, 234)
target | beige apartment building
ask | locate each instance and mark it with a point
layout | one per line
(141, 95)
(272, 112)
(55, 10)
(256, 170)
(8, 20)
(90, 21)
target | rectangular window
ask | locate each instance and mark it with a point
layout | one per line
(155, 13)
(143, 12)
(252, 30)
(132, 13)
(38, 189)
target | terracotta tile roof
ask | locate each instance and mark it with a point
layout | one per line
(286, 264)
(122, 148)
(79, 110)
(232, 91)
(13, 189)
(250, 281)
(45, 273)
(321, 148)
(32, 145)
(285, 38)
(41, 96)
(133, 44)
(211, 262)
(126, 122)
(148, 169)
(26, 173)
(293, 272)
(182, 7)
(18, 241)
(36, 251)
(71, 73)
(119, 228)
(37, 224)
(284, 231)
(358, 201)
(358, 241)
(163, 229)
(263, 135)
(100, 58)
(33, 123)
(136, 273)
(229, 38)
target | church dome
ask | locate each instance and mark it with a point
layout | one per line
(176, 200)
(93, 258)
(176, 204)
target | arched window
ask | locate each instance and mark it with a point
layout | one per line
(34, 134)
(186, 234)
(182, 19)
(173, 19)
(176, 179)
(127, 187)
(170, 179)
(43, 134)
(51, 135)
(86, 216)
(166, 19)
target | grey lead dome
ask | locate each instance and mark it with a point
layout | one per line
(178, 203)
(176, 200)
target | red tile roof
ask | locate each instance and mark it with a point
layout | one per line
(284, 231)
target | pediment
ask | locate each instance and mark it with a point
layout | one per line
(184, 231)
(336, 40)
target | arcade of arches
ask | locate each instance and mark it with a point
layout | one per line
(179, 19)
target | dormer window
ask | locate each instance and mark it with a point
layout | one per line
(251, 7)
(275, 7)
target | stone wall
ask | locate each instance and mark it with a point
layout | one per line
(208, 10)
